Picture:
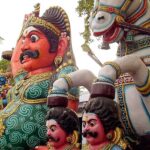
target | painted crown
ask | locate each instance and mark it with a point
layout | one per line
(54, 19)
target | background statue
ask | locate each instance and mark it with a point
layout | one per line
(6, 79)
(5, 85)
(42, 54)
(63, 129)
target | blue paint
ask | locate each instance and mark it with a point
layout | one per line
(145, 109)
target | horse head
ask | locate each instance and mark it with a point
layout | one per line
(114, 19)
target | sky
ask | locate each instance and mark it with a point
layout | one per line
(12, 14)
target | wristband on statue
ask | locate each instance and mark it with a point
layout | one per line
(114, 66)
(145, 88)
(105, 79)
(68, 80)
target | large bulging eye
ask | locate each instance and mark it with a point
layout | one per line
(92, 123)
(100, 17)
(53, 128)
(83, 124)
(34, 38)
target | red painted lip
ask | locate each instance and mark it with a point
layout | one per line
(103, 32)
(110, 34)
(88, 137)
(26, 59)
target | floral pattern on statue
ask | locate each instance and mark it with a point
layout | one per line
(43, 53)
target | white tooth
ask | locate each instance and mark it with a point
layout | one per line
(25, 56)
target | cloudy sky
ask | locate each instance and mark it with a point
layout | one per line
(12, 13)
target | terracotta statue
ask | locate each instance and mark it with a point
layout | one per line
(63, 130)
(101, 126)
(42, 54)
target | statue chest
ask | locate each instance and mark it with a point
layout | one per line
(33, 89)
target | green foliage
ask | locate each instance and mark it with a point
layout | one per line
(4, 65)
(83, 9)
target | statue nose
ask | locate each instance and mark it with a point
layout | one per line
(100, 18)
(48, 132)
(86, 128)
(24, 46)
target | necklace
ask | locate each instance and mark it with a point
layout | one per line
(69, 147)
(17, 96)
(106, 147)
(27, 82)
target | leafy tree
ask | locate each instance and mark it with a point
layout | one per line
(84, 8)
(4, 65)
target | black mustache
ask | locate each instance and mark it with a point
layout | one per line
(30, 53)
(92, 134)
(52, 138)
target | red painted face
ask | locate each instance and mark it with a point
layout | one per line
(57, 136)
(93, 129)
(35, 50)
(15, 62)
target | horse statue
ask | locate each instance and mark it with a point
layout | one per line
(127, 22)
(42, 54)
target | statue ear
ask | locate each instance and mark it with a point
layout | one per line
(62, 48)
(109, 135)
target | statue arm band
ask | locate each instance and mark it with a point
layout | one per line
(145, 88)
(68, 80)
(114, 66)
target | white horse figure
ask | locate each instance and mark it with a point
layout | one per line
(127, 22)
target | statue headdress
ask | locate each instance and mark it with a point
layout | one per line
(54, 19)
(53, 22)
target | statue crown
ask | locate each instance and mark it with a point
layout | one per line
(54, 19)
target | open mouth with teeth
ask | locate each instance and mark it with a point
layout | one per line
(27, 55)
(109, 35)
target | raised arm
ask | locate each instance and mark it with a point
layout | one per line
(58, 94)
(128, 64)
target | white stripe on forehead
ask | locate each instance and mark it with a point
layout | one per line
(28, 30)
(87, 116)
(51, 122)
